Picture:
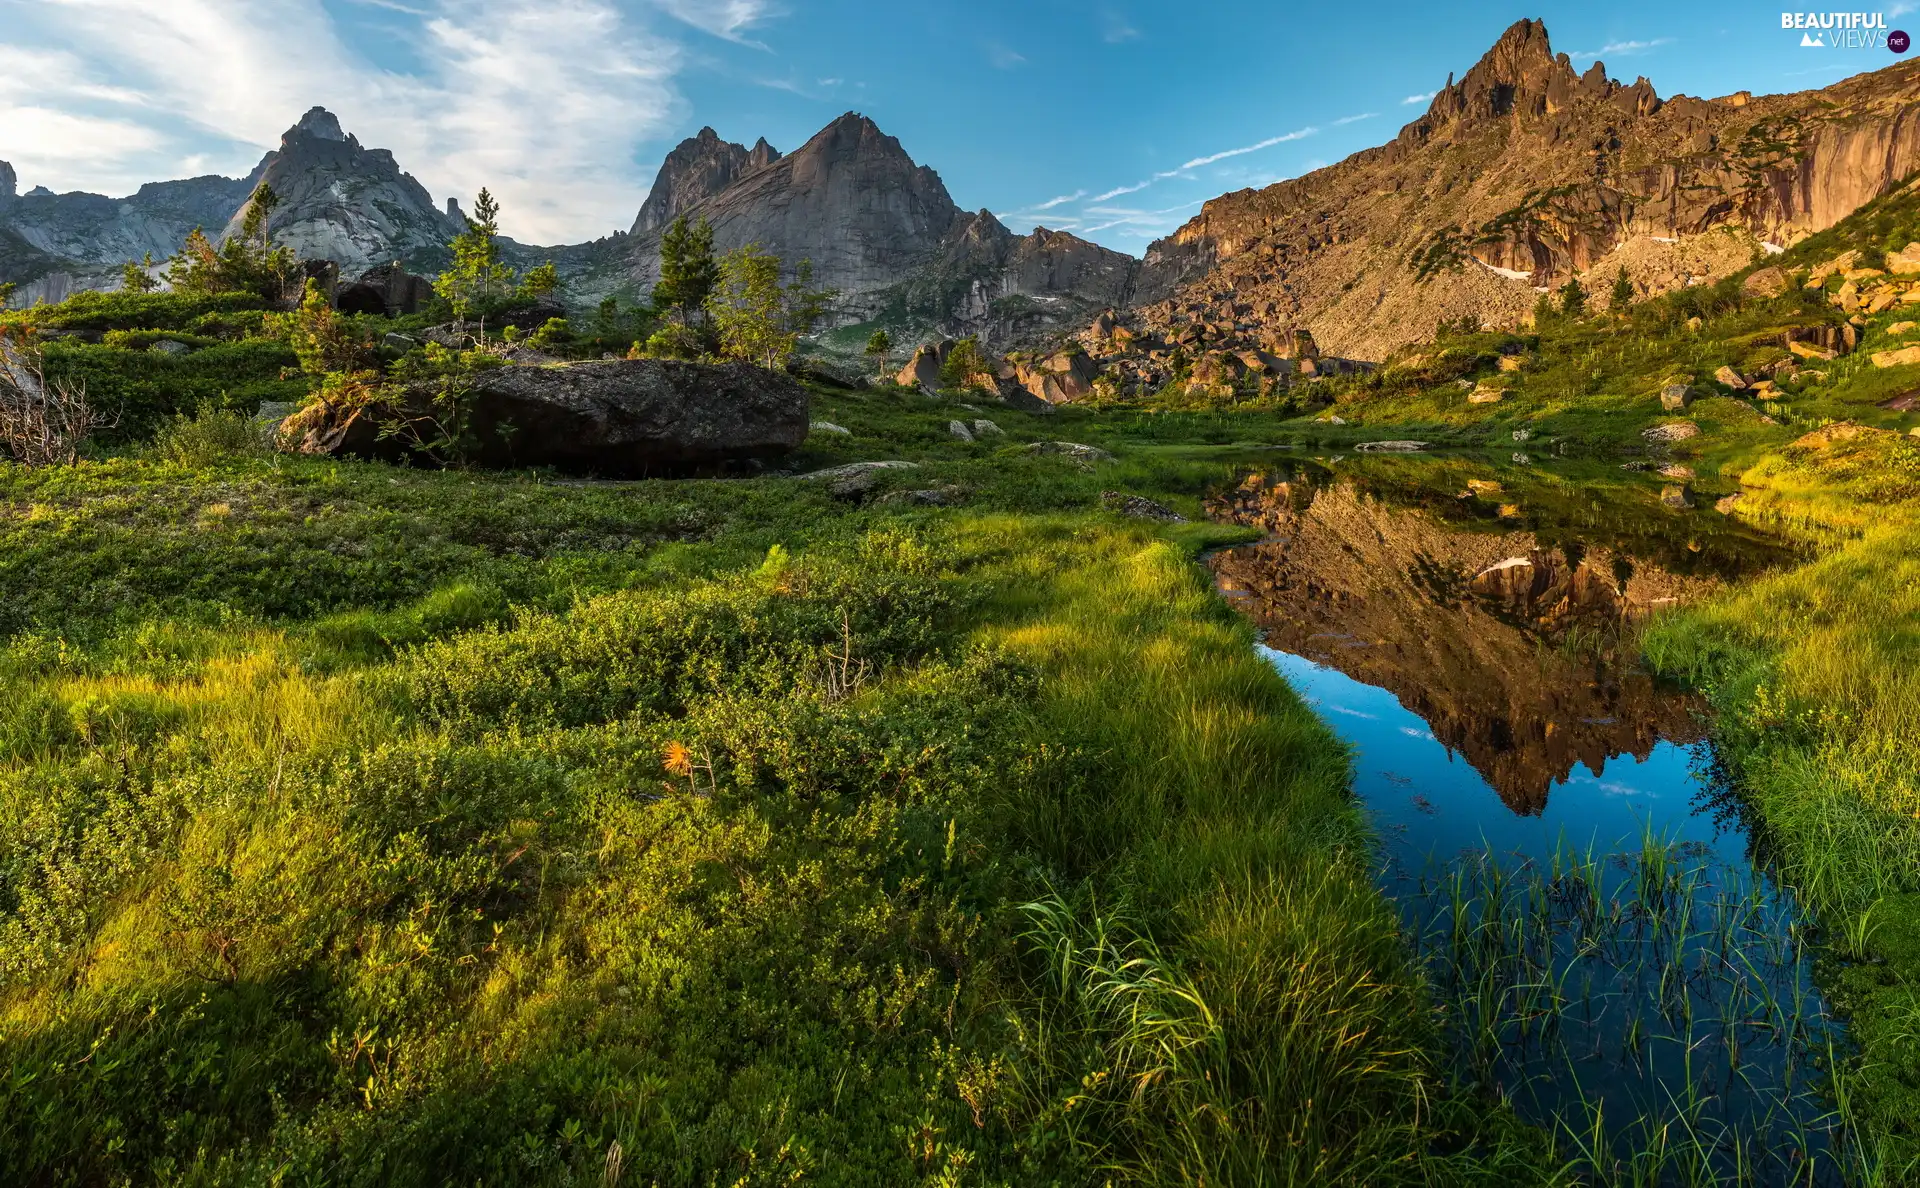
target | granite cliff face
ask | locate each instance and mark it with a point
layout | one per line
(1522, 173)
(880, 229)
(698, 169)
(55, 244)
(348, 204)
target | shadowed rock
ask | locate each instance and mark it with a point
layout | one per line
(624, 418)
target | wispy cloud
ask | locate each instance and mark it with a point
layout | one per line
(1269, 142)
(725, 19)
(1623, 49)
(516, 101)
(1002, 57)
(1117, 191)
(1412, 99)
(1354, 119)
(1116, 28)
(1152, 222)
(1061, 200)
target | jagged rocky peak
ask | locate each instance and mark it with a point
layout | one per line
(345, 203)
(9, 183)
(318, 123)
(702, 166)
(1522, 77)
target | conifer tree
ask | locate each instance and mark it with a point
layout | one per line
(688, 272)
(879, 346)
(479, 281)
(1622, 295)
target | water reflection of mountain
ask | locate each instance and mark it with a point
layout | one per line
(1506, 645)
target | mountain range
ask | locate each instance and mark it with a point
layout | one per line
(1522, 173)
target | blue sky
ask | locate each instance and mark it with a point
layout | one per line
(1112, 118)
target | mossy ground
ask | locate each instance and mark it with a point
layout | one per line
(378, 825)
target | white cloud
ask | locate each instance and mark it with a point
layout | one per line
(1412, 99)
(1269, 142)
(509, 94)
(727, 19)
(1119, 190)
(1623, 49)
(1354, 119)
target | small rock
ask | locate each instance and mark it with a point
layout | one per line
(1676, 496)
(1139, 508)
(1726, 503)
(1485, 395)
(1807, 350)
(856, 478)
(1674, 470)
(1766, 282)
(1900, 328)
(1390, 447)
(1904, 262)
(853, 469)
(1523, 435)
(960, 430)
(1897, 358)
(1483, 486)
(1675, 397)
(1523, 459)
(946, 496)
(1676, 431)
(272, 412)
(986, 428)
(1085, 454)
(1727, 377)
(1512, 362)
(830, 427)
(399, 341)
(1336, 420)
(168, 346)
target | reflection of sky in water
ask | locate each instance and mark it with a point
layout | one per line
(1428, 801)
(1620, 1045)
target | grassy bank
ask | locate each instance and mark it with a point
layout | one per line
(365, 825)
(1813, 674)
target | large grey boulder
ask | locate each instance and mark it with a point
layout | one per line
(622, 418)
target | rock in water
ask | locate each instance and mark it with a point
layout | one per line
(624, 418)
(1390, 447)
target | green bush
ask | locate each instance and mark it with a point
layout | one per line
(146, 387)
(210, 436)
(99, 312)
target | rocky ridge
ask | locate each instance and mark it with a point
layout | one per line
(1521, 174)
(880, 229)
